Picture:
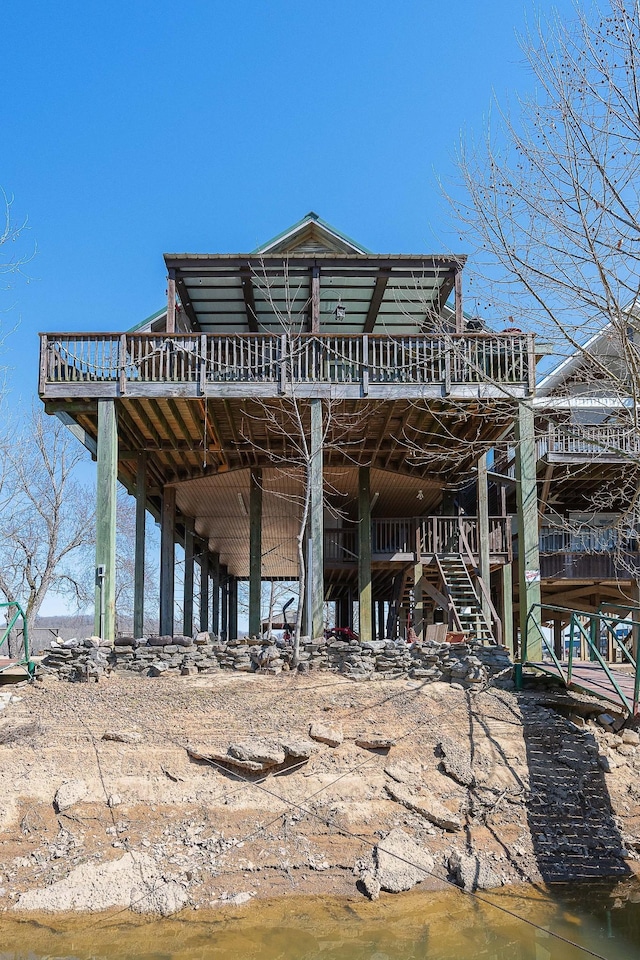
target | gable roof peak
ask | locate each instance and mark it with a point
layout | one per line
(312, 234)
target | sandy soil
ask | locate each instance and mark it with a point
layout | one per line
(537, 797)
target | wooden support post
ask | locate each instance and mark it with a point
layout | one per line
(107, 456)
(316, 522)
(167, 560)
(484, 553)
(171, 302)
(458, 300)
(204, 585)
(527, 507)
(255, 553)
(507, 607)
(215, 593)
(187, 601)
(381, 623)
(233, 608)
(224, 627)
(138, 573)
(364, 555)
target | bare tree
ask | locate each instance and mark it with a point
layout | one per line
(46, 522)
(551, 204)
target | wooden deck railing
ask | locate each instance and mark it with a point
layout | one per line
(604, 441)
(585, 539)
(140, 358)
(399, 537)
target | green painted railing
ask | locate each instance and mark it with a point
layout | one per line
(16, 613)
(587, 627)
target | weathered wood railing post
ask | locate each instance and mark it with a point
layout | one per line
(364, 555)
(316, 521)
(255, 552)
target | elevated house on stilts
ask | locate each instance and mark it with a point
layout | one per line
(313, 375)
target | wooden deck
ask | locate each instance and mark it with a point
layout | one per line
(591, 678)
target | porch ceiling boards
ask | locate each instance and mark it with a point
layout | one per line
(220, 506)
(189, 438)
(599, 484)
(243, 293)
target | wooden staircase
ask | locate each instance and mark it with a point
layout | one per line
(465, 603)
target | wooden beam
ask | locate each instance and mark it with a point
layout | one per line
(187, 602)
(139, 571)
(314, 324)
(544, 495)
(527, 506)
(79, 432)
(364, 555)
(187, 305)
(171, 302)
(249, 300)
(255, 553)
(316, 521)
(376, 299)
(167, 560)
(107, 457)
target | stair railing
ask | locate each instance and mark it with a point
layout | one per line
(454, 619)
(496, 624)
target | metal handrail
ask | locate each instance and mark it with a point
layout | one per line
(574, 623)
(19, 612)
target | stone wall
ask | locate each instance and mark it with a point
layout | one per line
(466, 663)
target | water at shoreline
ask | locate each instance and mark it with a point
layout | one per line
(416, 926)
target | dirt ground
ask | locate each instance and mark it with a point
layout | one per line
(531, 794)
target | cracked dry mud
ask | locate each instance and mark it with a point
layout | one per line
(515, 790)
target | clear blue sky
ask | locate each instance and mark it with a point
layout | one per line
(131, 129)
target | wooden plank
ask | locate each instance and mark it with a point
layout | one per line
(139, 569)
(107, 472)
(364, 555)
(255, 552)
(224, 605)
(187, 304)
(167, 560)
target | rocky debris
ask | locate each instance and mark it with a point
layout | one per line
(456, 763)
(69, 793)
(132, 881)
(631, 737)
(397, 863)
(267, 752)
(256, 754)
(468, 663)
(472, 872)
(324, 733)
(404, 771)
(425, 805)
(375, 742)
(297, 748)
(123, 736)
